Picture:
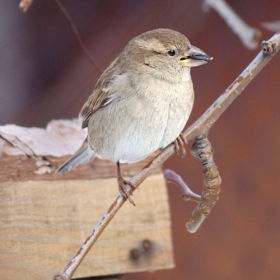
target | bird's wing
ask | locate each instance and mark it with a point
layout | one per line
(102, 94)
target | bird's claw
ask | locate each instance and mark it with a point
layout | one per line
(180, 143)
(123, 190)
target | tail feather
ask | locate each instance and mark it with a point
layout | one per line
(84, 155)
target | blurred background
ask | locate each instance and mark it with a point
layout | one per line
(45, 75)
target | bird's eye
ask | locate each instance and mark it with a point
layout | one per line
(171, 52)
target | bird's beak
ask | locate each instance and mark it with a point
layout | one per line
(194, 57)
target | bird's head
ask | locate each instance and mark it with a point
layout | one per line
(164, 52)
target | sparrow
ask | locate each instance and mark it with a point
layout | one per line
(141, 102)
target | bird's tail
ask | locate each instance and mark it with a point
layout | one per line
(84, 155)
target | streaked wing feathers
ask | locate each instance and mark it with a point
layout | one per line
(102, 94)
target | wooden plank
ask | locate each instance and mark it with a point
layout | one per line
(35, 154)
(45, 217)
(43, 224)
(24, 168)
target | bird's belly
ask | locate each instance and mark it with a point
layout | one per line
(129, 139)
(131, 130)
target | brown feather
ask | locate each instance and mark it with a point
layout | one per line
(101, 93)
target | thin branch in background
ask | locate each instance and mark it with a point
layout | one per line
(201, 150)
(201, 126)
(247, 34)
(77, 33)
(273, 26)
(24, 5)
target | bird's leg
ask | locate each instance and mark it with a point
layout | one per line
(180, 143)
(122, 188)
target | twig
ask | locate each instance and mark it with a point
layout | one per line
(201, 126)
(273, 26)
(77, 33)
(205, 122)
(248, 35)
(201, 150)
(188, 194)
(24, 5)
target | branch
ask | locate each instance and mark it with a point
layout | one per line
(247, 34)
(205, 122)
(273, 26)
(77, 33)
(201, 150)
(201, 126)
(188, 194)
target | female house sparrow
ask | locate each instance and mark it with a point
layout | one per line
(141, 102)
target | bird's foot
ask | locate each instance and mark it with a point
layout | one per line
(180, 143)
(123, 190)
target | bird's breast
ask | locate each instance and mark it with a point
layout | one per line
(146, 116)
(180, 99)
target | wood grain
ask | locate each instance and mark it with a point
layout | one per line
(43, 223)
(24, 168)
(45, 217)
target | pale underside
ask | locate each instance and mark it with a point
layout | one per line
(148, 114)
